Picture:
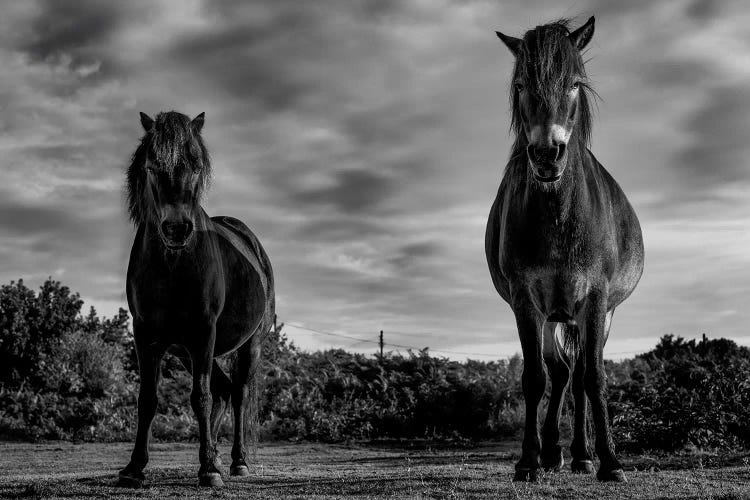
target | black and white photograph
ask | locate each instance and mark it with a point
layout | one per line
(369, 249)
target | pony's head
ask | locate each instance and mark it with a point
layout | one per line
(168, 173)
(549, 94)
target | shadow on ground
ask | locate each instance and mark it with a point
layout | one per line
(66, 470)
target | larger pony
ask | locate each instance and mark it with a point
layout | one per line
(563, 245)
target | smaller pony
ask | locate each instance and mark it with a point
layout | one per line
(201, 287)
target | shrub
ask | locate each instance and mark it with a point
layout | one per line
(685, 394)
(84, 364)
(31, 325)
(335, 395)
(65, 376)
(62, 375)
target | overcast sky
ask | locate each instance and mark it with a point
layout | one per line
(364, 141)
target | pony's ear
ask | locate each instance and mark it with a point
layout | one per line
(197, 122)
(147, 122)
(582, 36)
(514, 44)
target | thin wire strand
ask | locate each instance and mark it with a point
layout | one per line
(411, 347)
(402, 346)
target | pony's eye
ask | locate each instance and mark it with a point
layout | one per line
(575, 86)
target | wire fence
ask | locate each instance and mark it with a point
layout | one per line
(361, 341)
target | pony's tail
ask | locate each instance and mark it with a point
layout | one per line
(572, 343)
(257, 380)
(255, 384)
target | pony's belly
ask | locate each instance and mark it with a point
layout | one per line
(230, 336)
(558, 296)
(241, 316)
(170, 325)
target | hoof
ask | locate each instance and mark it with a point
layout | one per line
(129, 482)
(239, 470)
(526, 475)
(617, 475)
(582, 467)
(210, 479)
(553, 464)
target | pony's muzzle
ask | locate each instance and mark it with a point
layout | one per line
(176, 234)
(547, 162)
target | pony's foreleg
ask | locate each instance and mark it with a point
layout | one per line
(149, 368)
(579, 448)
(595, 384)
(245, 401)
(534, 381)
(559, 373)
(202, 401)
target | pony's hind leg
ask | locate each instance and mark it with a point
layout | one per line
(221, 390)
(245, 401)
(579, 448)
(559, 374)
(149, 368)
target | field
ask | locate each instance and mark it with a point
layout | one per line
(68, 470)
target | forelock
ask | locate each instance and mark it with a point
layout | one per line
(174, 143)
(548, 61)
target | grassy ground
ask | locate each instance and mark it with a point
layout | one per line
(67, 470)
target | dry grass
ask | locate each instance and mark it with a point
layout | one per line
(65, 470)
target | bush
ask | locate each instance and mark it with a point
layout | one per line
(84, 364)
(65, 376)
(685, 394)
(87, 395)
(174, 417)
(335, 395)
(62, 375)
(31, 326)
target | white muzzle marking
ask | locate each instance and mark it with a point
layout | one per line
(557, 133)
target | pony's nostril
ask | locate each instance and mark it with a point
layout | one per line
(535, 153)
(560, 152)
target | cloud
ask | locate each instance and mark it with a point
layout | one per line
(718, 149)
(704, 10)
(65, 28)
(410, 255)
(364, 143)
(20, 218)
(352, 190)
